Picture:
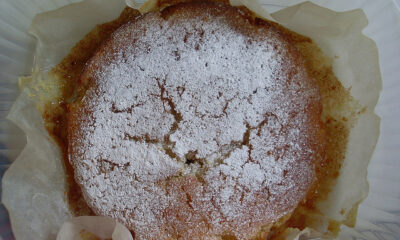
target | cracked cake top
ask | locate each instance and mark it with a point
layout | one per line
(196, 122)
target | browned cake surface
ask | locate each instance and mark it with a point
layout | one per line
(196, 121)
(339, 114)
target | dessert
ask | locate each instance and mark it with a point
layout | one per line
(41, 195)
(196, 121)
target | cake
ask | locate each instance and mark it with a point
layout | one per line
(196, 122)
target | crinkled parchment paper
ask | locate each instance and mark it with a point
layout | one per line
(86, 227)
(34, 187)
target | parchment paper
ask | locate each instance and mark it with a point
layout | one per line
(89, 227)
(34, 186)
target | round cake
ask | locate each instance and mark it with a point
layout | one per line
(196, 122)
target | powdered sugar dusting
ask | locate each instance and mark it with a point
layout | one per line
(195, 126)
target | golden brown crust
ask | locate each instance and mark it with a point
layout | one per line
(78, 111)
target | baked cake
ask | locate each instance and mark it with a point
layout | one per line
(196, 122)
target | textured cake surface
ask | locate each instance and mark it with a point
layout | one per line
(197, 122)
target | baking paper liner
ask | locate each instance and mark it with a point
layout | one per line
(39, 207)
